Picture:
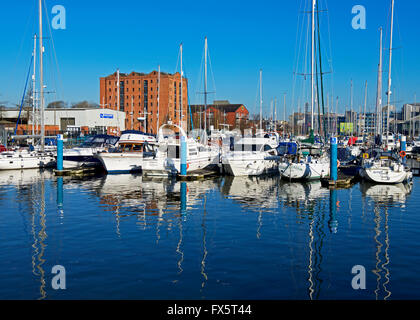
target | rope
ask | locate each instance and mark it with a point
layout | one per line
(24, 91)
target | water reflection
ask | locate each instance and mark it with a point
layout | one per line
(383, 198)
(159, 202)
(386, 194)
(30, 196)
(260, 194)
(309, 215)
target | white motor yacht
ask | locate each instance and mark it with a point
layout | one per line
(84, 155)
(167, 158)
(129, 152)
(252, 156)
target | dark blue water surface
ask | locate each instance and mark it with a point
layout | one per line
(128, 237)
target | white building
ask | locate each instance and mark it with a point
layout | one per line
(91, 118)
(66, 118)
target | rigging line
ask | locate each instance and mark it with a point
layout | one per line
(304, 94)
(24, 92)
(200, 77)
(399, 80)
(212, 74)
(256, 97)
(299, 46)
(177, 60)
(13, 72)
(321, 77)
(330, 49)
(189, 104)
(317, 91)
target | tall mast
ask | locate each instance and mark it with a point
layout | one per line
(205, 86)
(312, 63)
(132, 113)
(33, 88)
(275, 114)
(379, 119)
(103, 114)
(180, 102)
(41, 77)
(336, 115)
(389, 73)
(158, 97)
(284, 113)
(118, 89)
(414, 116)
(351, 104)
(261, 99)
(328, 116)
(364, 111)
(271, 114)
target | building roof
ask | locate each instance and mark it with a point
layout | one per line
(137, 74)
(221, 107)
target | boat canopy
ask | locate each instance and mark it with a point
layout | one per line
(137, 132)
(311, 139)
(287, 148)
(99, 140)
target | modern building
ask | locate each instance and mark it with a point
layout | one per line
(66, 119)
(141, 97)
(410, 110)
(220, 115)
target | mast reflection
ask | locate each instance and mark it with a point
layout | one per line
(30, 192)
(383, 197)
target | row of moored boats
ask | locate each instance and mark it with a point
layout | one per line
(264, 153)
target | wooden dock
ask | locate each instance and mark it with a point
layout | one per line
(342, 182)
(75, 172)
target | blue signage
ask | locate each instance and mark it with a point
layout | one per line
(107, 116)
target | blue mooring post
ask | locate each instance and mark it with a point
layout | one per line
(333, 159)
(59, 152)
(403, 146)
(333, 223)
(60, 194)
(183, 198)
(183, 156)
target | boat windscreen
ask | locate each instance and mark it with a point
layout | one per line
(246, 147)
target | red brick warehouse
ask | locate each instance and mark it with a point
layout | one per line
(139, 98)
(221, 115)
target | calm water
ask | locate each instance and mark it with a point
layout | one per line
(125, 237)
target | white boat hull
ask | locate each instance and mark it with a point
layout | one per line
(80, 157)
(121, 162)
(385, 175)
(169, 166)
(26, 161)
(304, 171)
(238, 167)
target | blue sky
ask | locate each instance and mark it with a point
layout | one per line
(243, 36)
